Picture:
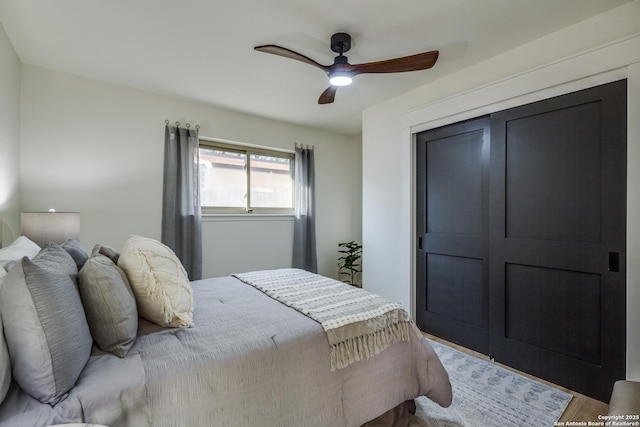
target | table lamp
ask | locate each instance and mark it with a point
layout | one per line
(52, 226)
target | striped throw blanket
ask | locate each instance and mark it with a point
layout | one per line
(358, 324)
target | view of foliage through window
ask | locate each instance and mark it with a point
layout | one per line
(240, 180)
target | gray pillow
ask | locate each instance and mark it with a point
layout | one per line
(109, 305)
(77, 252)
(44, 324)
(107, 251)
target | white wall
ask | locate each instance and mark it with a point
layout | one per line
(595, 51)
(97, 148)
(9, 141)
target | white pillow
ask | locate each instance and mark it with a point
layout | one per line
(158, 281)
(20, 248)
(5, 361)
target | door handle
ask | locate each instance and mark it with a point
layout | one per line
(614, 262)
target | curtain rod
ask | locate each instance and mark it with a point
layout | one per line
(178, 124)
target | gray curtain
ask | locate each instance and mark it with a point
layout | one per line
(304, 231)
(181, 217)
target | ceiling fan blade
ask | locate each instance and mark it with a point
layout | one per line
(288, 53)
(420, 61)
(328, 95)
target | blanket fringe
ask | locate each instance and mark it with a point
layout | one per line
(365, 346)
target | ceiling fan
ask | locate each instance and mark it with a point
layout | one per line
(341, 72)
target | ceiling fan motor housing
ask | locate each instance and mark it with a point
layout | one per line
(340, 42)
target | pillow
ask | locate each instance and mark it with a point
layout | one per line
(5, 362)
(109, 305)
(107, 251)
(20, 247)
(159, 282)
(77, 252)
(45, 325)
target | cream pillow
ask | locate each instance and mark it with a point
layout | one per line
(159, 282)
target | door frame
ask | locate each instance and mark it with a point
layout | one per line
(614, 61)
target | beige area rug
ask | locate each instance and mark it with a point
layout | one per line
(487, 395)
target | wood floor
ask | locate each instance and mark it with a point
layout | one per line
(581, 407)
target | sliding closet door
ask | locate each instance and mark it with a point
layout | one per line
(558, 213)
(452, 280)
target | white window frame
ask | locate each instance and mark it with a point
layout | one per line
(248, 150)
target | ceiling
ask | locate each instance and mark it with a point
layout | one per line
(202, 50)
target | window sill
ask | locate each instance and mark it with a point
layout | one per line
(246, 217)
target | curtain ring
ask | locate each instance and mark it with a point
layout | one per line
(187, 125)
(166, 122)
(197, 127)
(177, 124)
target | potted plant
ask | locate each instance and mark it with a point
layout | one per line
(349, 263)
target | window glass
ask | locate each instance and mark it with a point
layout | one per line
(271, 182)
(222, 178)
(237, 179)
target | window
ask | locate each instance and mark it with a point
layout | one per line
(238, 179)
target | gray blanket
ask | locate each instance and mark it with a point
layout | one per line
(249, 361)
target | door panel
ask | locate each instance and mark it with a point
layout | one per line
(459, 279)
(547, 295)
(452, 263)
(454, 183)
(558, 202)
(554, 160)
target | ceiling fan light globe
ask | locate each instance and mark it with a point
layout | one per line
(340, 80)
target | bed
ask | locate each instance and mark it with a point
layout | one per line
(244, 358)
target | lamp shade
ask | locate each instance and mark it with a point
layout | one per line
(45, 227)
